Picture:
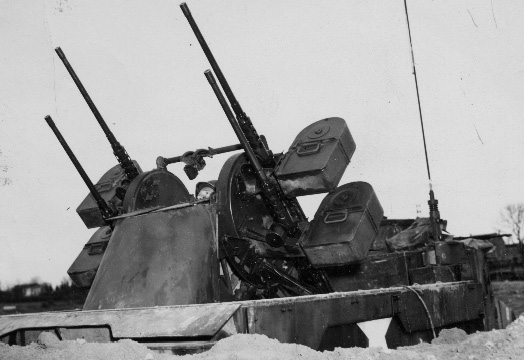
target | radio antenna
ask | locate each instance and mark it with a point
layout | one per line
(434, 214)
(416, 86)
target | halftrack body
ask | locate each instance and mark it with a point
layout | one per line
(179, 271)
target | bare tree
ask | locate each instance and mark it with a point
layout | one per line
(512, 218)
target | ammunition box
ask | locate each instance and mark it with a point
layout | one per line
(84, 268)
(344, 226)
(88, 210)
(317, 158)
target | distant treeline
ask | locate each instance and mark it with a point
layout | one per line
(44, 292)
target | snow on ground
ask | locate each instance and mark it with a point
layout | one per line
(450, 344)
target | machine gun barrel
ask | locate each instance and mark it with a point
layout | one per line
(102, 205)
(256, 142)
(272, 198)
(118, 150)
(236, 127)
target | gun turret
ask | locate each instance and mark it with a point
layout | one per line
(286, 221)
(256, 142)
(286, 212)
(119, 151)
(102, 205)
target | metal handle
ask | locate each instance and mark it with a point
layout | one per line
(308, 149)
(336, 216)
(97, 249)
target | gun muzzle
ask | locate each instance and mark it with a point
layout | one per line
(118, 150)
(102, 205)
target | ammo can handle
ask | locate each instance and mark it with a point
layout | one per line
(308, 149)
(333, 217)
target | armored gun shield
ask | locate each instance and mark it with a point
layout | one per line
(159, 258)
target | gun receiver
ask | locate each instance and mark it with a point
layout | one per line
(102, 205)
(257, 143)
(283, 215)
(118, 150)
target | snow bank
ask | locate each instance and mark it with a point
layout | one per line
(450, 344)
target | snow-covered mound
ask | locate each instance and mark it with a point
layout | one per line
(450, 344)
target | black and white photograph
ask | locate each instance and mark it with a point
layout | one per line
(262, 179)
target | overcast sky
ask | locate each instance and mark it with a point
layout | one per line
(290, 63)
